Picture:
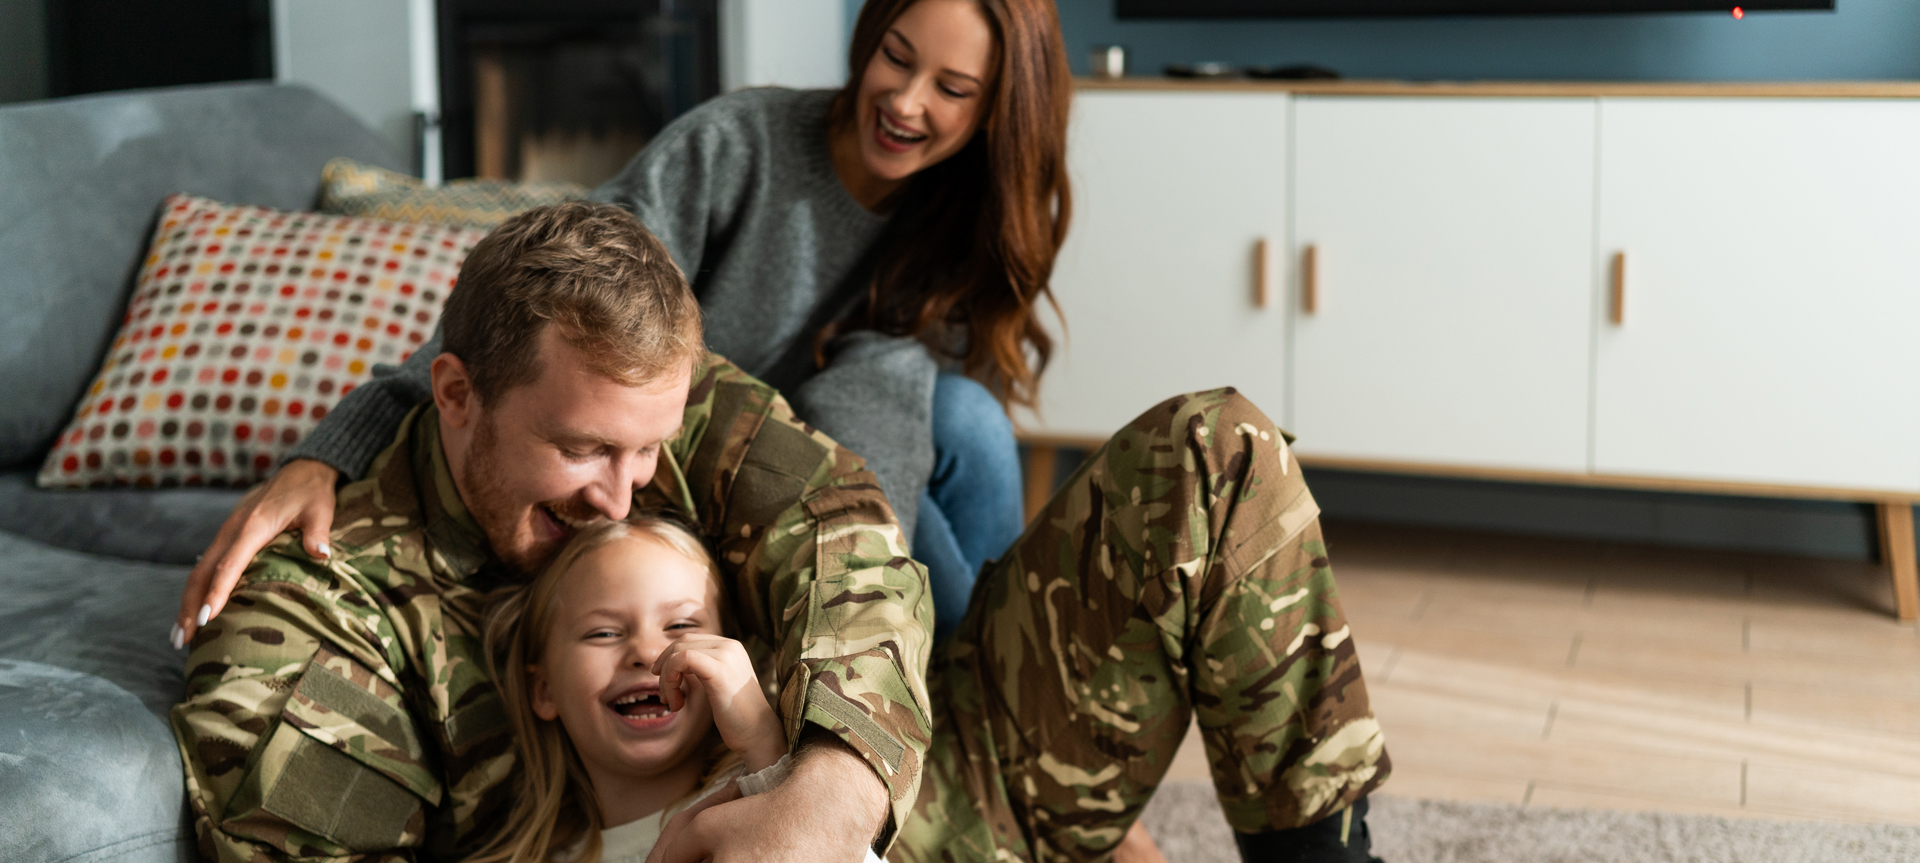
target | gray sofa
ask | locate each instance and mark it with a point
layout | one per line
(89, 580)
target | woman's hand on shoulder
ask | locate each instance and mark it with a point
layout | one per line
(299, 497)
(721, 667)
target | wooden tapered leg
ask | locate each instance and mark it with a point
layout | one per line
(1897, 551)
(1041, 462)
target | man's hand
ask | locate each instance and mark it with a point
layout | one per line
(829, 810)
(299, 496)
(678, 825)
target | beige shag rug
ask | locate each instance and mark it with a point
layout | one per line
(1185, 820)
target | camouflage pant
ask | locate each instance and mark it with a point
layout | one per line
(1180, 571)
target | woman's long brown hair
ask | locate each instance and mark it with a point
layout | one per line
(973, 243)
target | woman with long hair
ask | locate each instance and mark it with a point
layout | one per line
(880, 253)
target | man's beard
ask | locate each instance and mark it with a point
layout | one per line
(508, 532)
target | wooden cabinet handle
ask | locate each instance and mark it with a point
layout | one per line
(1310, 279)
(1260, 273)
(1617, 301)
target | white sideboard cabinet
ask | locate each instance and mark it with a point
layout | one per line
(1452, 279)
(1709, 288)
(1174, 195)
(1769, 320)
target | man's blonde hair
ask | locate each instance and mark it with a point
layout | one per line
(590, 269)
(554, 808)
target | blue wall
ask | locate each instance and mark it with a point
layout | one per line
(1862, 40)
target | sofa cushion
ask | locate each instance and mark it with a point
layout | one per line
(86, 775)
(98, 615)
(82, 178)
(167, 526)
(246, 324)
(348, 188)
(89, 770)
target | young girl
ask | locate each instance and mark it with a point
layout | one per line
(628, 701)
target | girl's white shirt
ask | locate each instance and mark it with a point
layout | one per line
(633, 841)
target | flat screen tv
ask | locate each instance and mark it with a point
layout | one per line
(1381, 8)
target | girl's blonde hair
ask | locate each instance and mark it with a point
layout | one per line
(554, 807)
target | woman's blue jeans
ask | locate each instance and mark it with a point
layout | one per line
(972, 510)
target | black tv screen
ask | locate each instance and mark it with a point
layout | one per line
(1378, 8)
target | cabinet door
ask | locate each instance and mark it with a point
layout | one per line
(1156, 282)
(1771, 289)
(1453, 247)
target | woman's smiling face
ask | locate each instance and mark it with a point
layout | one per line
(924, 91)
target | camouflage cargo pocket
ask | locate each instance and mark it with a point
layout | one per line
(346, 763)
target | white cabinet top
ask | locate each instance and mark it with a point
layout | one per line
(1583, 89)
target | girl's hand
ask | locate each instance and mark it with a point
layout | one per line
(721, 668)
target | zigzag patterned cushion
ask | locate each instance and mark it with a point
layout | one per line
(246, 325)
(348, 188)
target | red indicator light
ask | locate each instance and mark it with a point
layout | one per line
(1739, 13)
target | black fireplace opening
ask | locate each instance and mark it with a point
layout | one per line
(96, 46)
(568, 89)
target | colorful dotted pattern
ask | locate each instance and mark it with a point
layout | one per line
(245, 327)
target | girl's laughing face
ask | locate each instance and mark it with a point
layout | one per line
(616, 610)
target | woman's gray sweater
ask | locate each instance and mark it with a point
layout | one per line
(743, 193)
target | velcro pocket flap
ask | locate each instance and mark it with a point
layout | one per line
(1269, 538)
(774, 474)
(342, 705)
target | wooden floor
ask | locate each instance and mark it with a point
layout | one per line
(1583, 674)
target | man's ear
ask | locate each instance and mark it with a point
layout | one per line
(538, 693)
(453, 391)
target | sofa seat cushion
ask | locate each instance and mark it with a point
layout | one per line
(86, 774)
(89, 771)
(164, 526)
(92, 614)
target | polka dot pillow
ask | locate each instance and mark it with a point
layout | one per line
(246, 325)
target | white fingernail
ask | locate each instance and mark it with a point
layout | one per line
(325, 551)
(206, 614)
(179, 637)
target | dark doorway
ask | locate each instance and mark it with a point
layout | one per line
(98, 45)
(568, 89)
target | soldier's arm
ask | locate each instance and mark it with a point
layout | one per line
(821, 572)
(297, 744)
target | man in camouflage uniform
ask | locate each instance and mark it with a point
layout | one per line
(340, 708)
(1180, 571)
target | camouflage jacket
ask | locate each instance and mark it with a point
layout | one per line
(341, 708)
